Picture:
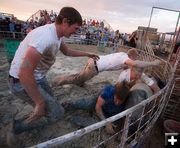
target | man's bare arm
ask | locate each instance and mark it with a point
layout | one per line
(142, 64)
(76, 53)
(155, 88)
(99, 105)
(28, 81)
(99, 112)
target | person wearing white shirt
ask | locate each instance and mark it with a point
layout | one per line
(133, 74)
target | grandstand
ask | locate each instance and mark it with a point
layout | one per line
(93, 31)
(5, 15)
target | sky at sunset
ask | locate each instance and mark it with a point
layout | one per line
(125, 15)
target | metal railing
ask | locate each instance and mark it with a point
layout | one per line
(12, 35)
(73, 39)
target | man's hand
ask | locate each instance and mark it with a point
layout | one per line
(55, 81)
(59, 80)
(109, 128)
(38, 112)
(93, 56)
(157, 62)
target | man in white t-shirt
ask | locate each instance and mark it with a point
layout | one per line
(110, 62)
(138, 88)
(131, 75)
(33, 58)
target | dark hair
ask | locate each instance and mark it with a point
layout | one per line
(71, 14)
(122, 90)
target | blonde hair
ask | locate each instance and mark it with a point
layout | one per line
(133, 52)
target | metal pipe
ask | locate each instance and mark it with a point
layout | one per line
(174, 42)
(150, 17)
(166, 9)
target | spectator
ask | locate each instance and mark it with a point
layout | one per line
(133, 39)
(18, 26)
(125, 39)
(88, 38)
(116, 39)
(11, 26)
(52, 16)
(83, 37)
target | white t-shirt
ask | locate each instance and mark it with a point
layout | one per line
(125, 76)
(113, 61)
(47, 43)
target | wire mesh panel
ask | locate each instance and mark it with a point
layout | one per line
(172, 110)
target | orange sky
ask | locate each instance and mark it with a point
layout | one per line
(125, 15)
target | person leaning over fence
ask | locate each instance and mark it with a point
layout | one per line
(133, 74)
(133, 39)
(115, 61)
(34, 57)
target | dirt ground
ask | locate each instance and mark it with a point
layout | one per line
(63, 65)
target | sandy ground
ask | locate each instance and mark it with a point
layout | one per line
(63, 65)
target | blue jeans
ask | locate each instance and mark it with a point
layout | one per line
(83, 104)
(54, 111)
(89, 104)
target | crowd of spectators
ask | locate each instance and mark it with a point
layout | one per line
(42, 18)
(11, 27)
(96, 32)
(10, 23)
(93, 31)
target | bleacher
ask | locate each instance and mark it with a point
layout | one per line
(93, 31)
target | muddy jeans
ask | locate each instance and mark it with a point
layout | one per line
(87, 73)
(54, 111)
(88, 103)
